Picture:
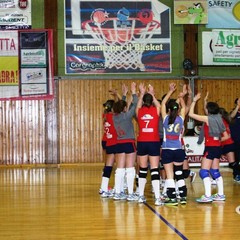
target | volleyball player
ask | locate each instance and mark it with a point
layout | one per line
(235, 130)
(213, 129)
(148, 141)
(172, 153)
(126, 149)
(110, 137)
(228, 146)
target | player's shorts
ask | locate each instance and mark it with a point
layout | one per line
(161, 141)
(104, 145)
(148, 148)
(169, 156)
(212, 152)
(228, 148)
(126, 147)
(111, 149)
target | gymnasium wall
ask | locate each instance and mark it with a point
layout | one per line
(68, 129)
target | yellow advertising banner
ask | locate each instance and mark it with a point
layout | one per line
(9, 71)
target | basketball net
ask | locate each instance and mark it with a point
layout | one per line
(122, 45)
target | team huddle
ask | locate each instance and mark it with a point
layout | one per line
(159, 146)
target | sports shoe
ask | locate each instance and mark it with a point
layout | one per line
(217, 197)
(163, 196)
(204, 199)
(237, 178)
(106, 194)
(171, 202)
(132, 197)
(119, 196)
(158, 202)
(141, 199)
(192, 176)
(183, 200)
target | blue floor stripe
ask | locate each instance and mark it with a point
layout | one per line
(166, 222)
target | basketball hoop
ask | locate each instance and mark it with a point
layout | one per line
(123, 43)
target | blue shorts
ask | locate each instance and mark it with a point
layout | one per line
(104, 145)
(111, 149)
(169, 156)
(212, 152)
(126, 147)
(228, 148)
(161, 141)
(148, 148)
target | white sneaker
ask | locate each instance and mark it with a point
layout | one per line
(120, 196)
(141, 199)
(132, 197)
(158, 202)
(106, 194)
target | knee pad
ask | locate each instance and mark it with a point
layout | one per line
(178, 172)
(143, 172)
(107, 171)
(131, 171)
(232, 165)
(203, 173)
(155, 174)
(215, 173)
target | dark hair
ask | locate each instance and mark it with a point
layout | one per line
(108, 105)
(173, 107)
(119, 106)
(212, 108)
(147, 100)
(225, 115)
(236, 100)
(169, 102)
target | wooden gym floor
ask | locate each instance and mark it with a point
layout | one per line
(63, 203)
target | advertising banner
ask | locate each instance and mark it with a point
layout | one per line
(195, 151)
(223, 14)
(9, 75)
(190, 12)
(26, 64)
(220, 47)
(15, 14)
(117, 37)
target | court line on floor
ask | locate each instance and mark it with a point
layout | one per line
(166, 222)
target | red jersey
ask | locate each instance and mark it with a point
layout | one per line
(111, 134)
(209, 140)
(148, 123)
(229, 140)
(104, 137)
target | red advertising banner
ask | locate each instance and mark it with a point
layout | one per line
(26, 63)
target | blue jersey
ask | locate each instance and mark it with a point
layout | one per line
(172, 133)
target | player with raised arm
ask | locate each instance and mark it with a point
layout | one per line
(148, 141)
(173, 154)
(214, 132)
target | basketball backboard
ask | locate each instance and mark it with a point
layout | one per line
(82, 10)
